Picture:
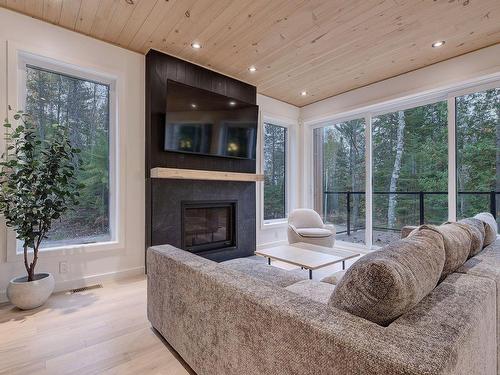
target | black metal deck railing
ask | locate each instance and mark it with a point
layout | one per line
(421, 203)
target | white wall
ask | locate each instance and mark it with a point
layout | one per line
(279, 113)
(85, 265)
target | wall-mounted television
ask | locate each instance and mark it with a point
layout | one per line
(202, 122)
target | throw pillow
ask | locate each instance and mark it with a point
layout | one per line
(490, 227)
(385, 284)
(334, 278)
(457, 245)
(475, 227)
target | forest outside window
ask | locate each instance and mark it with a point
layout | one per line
(275, 154)
(83, 106)
(410, 169)
(413, 178)
(477, 121)
(339, 177)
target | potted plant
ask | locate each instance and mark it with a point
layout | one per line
(37, 185)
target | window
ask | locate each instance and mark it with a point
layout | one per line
(84, 107)
(339, 177)
(477, 120)
(410, 169)
(425, 166)
(275, 154)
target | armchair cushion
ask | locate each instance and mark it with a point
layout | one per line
(305, 218)
(313, 232)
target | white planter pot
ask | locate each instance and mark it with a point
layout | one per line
(29, 295)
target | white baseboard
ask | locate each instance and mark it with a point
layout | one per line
(97, 279)
(89, 280)
(3, 296)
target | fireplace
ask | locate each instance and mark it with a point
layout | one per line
(208, 225)
(172, 201)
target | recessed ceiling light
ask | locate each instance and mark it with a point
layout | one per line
(196, 45)
(252, 69)
(193, 105)
(303, 93)
(232, 103)
(438, 44)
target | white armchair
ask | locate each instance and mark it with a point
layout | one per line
(305, 225)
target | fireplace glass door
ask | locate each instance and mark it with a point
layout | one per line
(208, 225)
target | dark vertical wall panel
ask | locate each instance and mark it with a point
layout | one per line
(159, 69)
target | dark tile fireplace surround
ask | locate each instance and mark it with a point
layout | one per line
(205, 232)
(214, 219)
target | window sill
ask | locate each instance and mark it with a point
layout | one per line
(272, 224)
(15, 256)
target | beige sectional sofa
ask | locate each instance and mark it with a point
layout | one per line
(244, 317)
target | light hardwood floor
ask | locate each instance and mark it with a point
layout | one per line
(100, 331)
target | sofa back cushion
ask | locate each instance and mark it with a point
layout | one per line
(457, 245)
(475, 227)
(490, 227)
(385, 284)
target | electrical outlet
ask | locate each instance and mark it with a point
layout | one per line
(63, 267)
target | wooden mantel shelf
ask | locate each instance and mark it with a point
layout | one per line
(193, 174)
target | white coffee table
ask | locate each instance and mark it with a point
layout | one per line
(304, 255)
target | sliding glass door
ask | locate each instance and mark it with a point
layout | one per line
(339, 150)
(428, 163)
(410, 169)
(477, 119)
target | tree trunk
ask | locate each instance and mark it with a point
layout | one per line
(391, 211)
(40, 106)
(26, 265)
(497, 184)
(352, 163)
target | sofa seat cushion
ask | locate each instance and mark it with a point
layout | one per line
(475, 227)
(334, 278)
(314, 232)
(262, 271)
(457, 245)
(485, 264)
(315, 290)
(387, 283)
(490, 227)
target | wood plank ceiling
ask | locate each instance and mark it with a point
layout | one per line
(324, 47)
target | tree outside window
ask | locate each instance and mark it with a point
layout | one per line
(339, 172)
(82, 106)
(275, 153)
(478, 153)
